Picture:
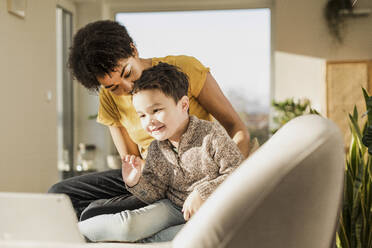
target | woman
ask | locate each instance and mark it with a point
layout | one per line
(104, 58)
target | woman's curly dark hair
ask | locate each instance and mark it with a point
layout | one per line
(96, 50)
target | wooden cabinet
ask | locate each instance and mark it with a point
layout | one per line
(344, 80)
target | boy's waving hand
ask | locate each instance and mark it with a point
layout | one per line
(131, 169)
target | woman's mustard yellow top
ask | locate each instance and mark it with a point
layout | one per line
(118, 110)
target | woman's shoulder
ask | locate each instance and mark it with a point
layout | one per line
(181, 61)
(109, 97)
(213, 127)
(105, 96)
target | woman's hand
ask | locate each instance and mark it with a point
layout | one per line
(131, 169)
(191, 204)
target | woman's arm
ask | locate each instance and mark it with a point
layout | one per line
(215, 102)
(123, 142)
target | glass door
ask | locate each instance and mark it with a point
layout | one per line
(65, 92)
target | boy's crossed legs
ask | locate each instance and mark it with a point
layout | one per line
(135, 225)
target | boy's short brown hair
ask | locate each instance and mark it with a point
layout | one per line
(164, 77)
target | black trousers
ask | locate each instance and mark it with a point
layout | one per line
(97, 193)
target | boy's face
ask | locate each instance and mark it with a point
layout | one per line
(160, 116)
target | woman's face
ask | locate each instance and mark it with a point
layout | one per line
(120, 81)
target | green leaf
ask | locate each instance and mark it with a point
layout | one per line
(355, 114)
(355, 126)
(353, 150)
(355, 131)
(368, 102)
(367, 138)
(344, 241)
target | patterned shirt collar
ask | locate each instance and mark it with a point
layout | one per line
(185, 141)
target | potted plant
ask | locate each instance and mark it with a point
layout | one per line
(355, 228)
(335, 17)
(288, 109)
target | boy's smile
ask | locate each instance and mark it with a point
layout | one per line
(154, 129)
(160, 115)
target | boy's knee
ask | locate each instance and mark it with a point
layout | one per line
(129, 232)
(111, 227)
(102, 228)
(123, 226)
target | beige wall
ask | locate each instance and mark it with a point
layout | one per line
(301, 29)
(28, 146)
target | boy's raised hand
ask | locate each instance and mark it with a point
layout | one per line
(191, 204)
(131, 169)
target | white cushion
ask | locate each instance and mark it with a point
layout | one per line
(287, 194)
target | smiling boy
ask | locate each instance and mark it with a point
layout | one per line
(186, 162)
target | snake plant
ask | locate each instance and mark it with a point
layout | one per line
(355, 230)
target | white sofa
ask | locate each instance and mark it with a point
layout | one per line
(287, 194)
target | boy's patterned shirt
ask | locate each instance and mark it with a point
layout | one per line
(206, 156)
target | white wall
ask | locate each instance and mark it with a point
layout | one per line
(301, 77)
(28, 145)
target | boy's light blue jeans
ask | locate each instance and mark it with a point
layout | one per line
(157, 222)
